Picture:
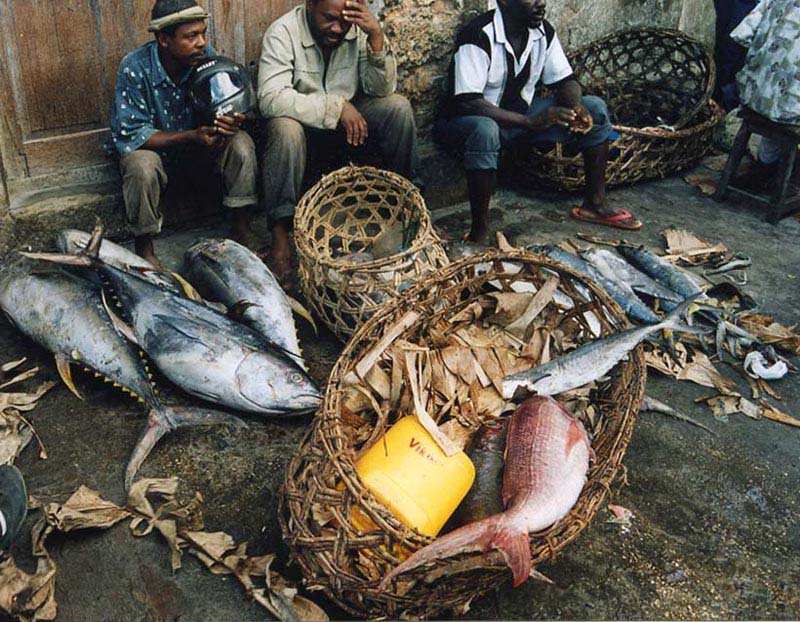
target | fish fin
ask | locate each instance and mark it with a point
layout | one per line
(124, 329)
(155, 429)
(525, 388)
(65, 371)
(165, 419)
(95, 241)
(237, 311)
(188, 288)
(70, 260)
(300, 310)
(516, 550)
(472, 537)
(673, 320)
(182, 417)
(575, 435)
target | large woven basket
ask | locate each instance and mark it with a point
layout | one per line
(657, 84)
(322, 490)
(341, 215)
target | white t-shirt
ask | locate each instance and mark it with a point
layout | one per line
(484, 63)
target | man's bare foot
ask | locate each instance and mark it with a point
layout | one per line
(153, 259)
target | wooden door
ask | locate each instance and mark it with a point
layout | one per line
(58, 65)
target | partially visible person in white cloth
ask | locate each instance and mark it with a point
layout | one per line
(769, 83)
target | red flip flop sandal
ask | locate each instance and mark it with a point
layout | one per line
(617, 220)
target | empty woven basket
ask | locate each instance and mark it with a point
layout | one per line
(657, 84)
(337, 220)
(323, 493)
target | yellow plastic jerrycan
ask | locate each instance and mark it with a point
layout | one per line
(414, 478)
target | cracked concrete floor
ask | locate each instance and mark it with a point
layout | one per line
(716, 529)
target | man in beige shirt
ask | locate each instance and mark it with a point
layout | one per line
(323, 82)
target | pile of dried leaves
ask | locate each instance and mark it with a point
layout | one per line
(451, 379)
(152, 506)
(15, 431)
(690, 249)
(21, 594)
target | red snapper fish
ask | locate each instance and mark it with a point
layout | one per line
(547, 457)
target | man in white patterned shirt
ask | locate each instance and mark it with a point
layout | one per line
(499, 58)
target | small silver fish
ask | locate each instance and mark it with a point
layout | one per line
(612, 266)
(620, 292)
(662, 271)
(589, 362)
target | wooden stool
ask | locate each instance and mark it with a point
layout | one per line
(789, 138)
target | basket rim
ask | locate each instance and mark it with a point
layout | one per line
(303, 237)
(330, 411)
(717, 114)
(674, 33)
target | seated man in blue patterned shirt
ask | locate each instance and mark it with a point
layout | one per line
(155, 134)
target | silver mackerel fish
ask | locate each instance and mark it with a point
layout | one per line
(226, 271)
(589, 362)
(64, 313)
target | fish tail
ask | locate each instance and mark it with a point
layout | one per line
(164, 419)
(674, 320)
(87, 257)
(514, 544)
(482, 535)
(68, 260)
(157, 427)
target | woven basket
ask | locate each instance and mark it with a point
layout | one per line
(322, 490)
(657, 84)
(649, 76)
(342, 214)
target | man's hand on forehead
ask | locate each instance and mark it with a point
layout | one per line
(357, 12)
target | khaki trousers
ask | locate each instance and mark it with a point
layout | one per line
(391, 127)
(145, 178)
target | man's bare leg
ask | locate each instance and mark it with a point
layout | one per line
(241, 231)
(480, 185)
(143, 244)
(280, 256)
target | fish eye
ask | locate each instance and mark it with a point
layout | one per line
(296, 378)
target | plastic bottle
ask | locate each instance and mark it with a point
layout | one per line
(409, 473)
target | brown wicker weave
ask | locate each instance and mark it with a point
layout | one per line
(649, 76)
(322, 491)
(657, 84)
(342, 214)
(638, 154)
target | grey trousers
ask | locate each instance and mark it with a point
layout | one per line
(391, 127)
(145, 178)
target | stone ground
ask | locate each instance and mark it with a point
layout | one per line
(717, 521)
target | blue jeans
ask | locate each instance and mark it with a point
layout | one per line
(480, 139)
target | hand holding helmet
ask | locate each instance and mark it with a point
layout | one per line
(222, 95)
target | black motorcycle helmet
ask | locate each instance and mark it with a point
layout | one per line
(220, 86)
